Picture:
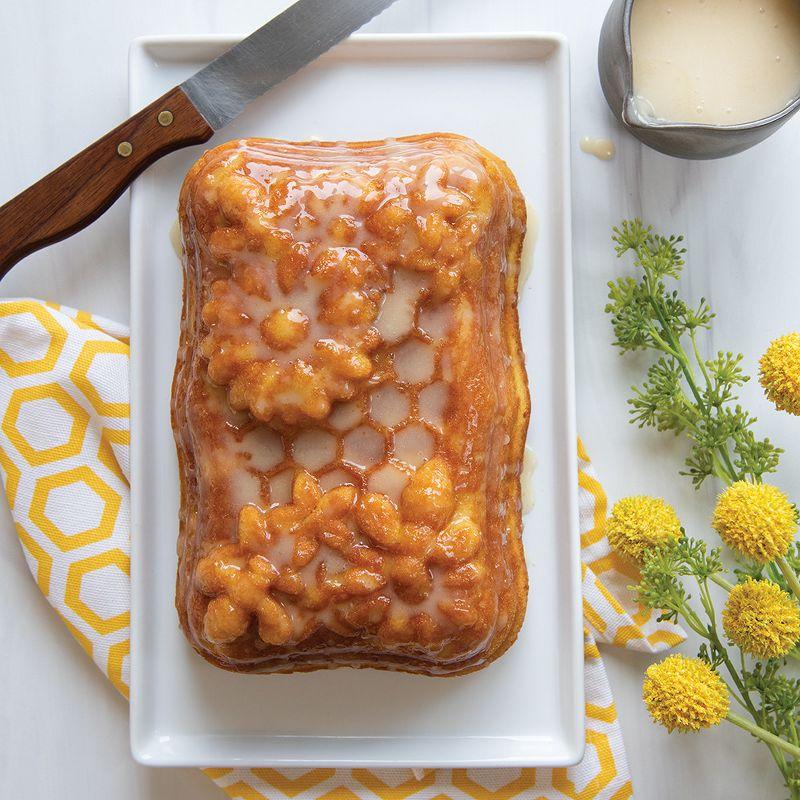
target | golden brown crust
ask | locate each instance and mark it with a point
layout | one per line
(350, 406)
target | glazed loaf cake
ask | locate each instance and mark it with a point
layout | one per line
(350, 406)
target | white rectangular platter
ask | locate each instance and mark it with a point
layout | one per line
(510, 93)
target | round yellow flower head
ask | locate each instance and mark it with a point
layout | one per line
(762, 619)
(685, 694)
(780, 373)
(755, 519)
(638, 524)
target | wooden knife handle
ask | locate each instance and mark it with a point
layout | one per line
(80, 190)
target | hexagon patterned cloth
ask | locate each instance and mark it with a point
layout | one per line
(64, 441)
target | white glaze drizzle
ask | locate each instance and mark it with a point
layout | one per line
(602, 149)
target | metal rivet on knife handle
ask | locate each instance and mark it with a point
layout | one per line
(124, 149)
(165, 118)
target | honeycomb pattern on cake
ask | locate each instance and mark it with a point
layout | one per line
(350, 465)
(373, 462)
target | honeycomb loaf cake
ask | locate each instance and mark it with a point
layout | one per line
(350, 406)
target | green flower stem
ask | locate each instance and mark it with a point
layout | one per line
(699, 359)
(794, 731)
(691, 618)
(669, 343)
(720, 581)
(725, 471)
(688, 372)
(719, 468)
(663, 345)
(743, 697)
(713, 636)
(790, 575)
(777, 755)
(764, 735)
(722, 449)
(774, 572)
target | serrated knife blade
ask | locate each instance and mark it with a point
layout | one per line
(275, 51)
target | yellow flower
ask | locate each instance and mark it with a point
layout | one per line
(756, 519)
(685, 694)
(780, 373)
(762, 619)
(638, 524)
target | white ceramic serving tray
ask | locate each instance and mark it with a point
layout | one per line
(511, 93)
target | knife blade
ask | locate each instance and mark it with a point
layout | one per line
(80, 190)
(275, 51)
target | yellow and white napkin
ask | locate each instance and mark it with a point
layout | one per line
(64, 440)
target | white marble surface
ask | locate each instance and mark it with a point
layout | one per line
(63, 72)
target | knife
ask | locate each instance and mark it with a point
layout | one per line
(80, 190)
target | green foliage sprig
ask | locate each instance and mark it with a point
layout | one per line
(683, 392)
(687, 394)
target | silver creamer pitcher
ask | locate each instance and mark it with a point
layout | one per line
(685, 140)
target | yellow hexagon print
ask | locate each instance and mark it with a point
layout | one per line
(78, 570)
(606, 770)
(80, 376)
(82, 640)
(83, 319)
(13, 475)
(109, 499)
(44, 562)
(58, 401)
(56, 334)
(216, 773)
(117, 654)
(105, 453)
(467, 781)
(401, 791)
(243, 791)
(293, 785)
(340, 793)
